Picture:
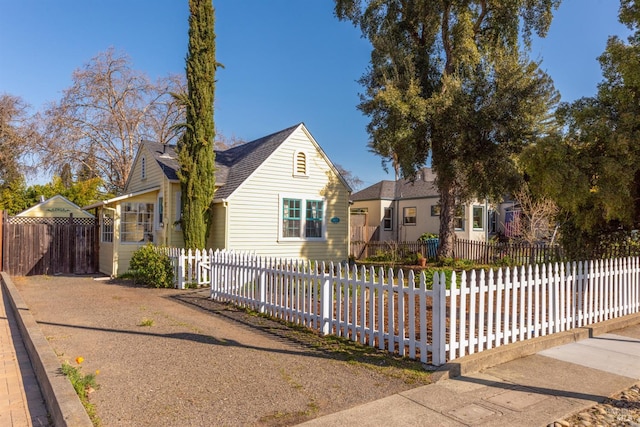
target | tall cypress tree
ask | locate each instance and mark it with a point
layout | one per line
(195, 147)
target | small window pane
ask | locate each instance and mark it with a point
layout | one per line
(291, 218)
(387, 222)
(478, 218)
(313, 225)
(409, 216)
(459, 218)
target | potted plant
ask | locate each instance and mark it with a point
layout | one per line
(422, 261)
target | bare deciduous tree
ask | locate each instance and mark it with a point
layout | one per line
(15, 132)
(354, 182)
(101, 119)
(537, 219)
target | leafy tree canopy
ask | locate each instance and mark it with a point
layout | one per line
(449, 82)
(591, 167)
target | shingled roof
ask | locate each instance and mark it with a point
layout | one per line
(423, 186)
(233, 165)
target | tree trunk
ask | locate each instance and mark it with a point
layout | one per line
(447, 217)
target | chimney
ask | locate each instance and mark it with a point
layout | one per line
(41, 198)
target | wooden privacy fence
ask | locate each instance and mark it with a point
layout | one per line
(513, 253)
(478, 251)
(363, 250)
(33, 246)
(434, 321)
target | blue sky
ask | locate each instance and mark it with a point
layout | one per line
(286, 61)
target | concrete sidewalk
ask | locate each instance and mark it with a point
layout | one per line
(534, 390)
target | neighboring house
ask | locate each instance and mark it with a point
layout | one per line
(57, 208)
(278, 196)
(403, 210)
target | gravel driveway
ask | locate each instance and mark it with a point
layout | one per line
(199, 363)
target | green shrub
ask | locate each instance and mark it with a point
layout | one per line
(427, 236)
(150, 267)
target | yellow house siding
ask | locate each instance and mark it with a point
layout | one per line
(55, 207)
(254, 209)
(105, 260)
(173, 230)
(218, 235)
(154, 174)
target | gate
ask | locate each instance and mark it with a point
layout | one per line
(33, 246)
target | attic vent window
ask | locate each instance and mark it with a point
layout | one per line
(300, 164)
(143, 168)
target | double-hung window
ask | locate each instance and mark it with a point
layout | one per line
(387, 221)
(478, 217)
(291, 217)
(302, 218)
(313, 226)
(459, 218)
(409, 216)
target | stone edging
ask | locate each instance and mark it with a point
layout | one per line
(488, 358)
(63, 404)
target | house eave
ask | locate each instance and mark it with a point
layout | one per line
(120, 198)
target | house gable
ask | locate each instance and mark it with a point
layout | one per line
(146, 171)
(56, 207)
(253, 211)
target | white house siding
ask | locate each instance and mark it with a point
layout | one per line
(254, 209)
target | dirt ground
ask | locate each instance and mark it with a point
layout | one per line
(175, 358)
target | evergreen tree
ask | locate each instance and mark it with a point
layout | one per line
(591, 169)
(449, 82)
(195, 147)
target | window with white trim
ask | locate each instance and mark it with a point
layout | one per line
(387, 221)
(301, 218)
(313, 222)
(459, 218)
(136, 224)
(409, 216)
(478, 217)
(300, 167)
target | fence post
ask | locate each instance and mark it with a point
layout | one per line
(262, 284)
(439, 313)
(181, 269)
(325, 300)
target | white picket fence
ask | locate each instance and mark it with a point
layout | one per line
(434, 322)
